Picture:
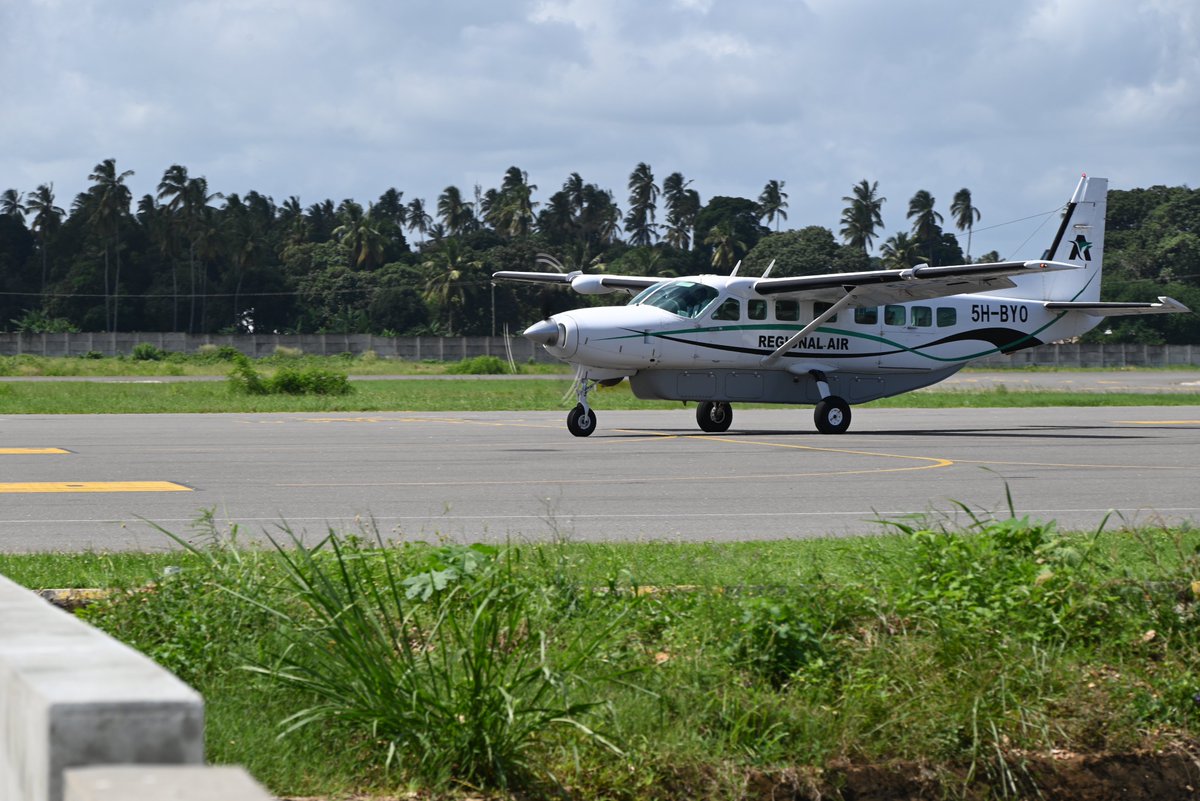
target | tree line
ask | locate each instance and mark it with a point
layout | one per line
(190, 259)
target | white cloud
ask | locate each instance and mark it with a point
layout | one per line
(347, 99)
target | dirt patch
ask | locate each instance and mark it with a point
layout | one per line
(1059, 776)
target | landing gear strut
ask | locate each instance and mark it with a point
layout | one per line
(832, 415)
(581, 421)
(714, 416)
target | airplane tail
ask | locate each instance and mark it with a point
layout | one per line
(1079, 241)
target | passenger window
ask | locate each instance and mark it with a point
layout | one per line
(787, 311)
(893, 315)
(756, 309)
(821, 308)
(946, 316)
(867, 315)
(922, 316)
(731, 310)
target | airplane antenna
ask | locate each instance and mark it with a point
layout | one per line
(767, 271)
(550, 261)
(733, 272)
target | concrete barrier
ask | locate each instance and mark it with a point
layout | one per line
(165, 783)
(72, 696)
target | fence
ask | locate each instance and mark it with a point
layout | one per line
(445, 349)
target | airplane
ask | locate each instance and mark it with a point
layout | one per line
(831, 340)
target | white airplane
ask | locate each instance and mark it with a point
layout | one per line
(831, 340)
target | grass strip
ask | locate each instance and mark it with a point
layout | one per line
(464, 395)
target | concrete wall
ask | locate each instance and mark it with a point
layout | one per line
(72, 696)
(456, 348)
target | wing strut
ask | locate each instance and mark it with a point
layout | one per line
(820, 319)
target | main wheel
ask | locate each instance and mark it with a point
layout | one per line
(714, 416)
(581, 422)
(832, 415)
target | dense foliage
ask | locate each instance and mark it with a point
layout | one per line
(678, 670)
(190, 259)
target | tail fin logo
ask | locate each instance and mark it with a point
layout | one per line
(1080, 248)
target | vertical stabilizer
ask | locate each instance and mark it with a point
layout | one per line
(1080, 241)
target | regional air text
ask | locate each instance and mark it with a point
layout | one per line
(808, 343)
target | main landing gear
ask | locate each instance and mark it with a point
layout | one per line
(832, 414)
(714, 416)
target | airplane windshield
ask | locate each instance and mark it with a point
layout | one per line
(685, 298)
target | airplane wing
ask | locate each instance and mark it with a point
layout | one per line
(584, 284)
(1165, 305)
(880, 287)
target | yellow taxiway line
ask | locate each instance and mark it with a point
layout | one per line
(92, 486)
(30, 451)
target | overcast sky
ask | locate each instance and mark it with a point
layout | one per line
(1011, 99)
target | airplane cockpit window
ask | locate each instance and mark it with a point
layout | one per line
(756, 309)
(894, 315)
(730, 310)
(685, 298)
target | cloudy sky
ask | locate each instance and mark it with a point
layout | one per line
(345, 99)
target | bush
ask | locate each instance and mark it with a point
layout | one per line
(145, 352)
(245, 380)
(479, 365)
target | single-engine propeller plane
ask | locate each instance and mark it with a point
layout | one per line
(832, 339)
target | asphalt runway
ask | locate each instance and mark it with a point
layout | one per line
(71, 483)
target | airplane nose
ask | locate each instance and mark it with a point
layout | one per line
(543, 333)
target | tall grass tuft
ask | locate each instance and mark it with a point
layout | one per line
(460, 687)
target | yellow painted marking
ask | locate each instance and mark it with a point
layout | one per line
(30, 451)
(92, 486)
(1160, 422)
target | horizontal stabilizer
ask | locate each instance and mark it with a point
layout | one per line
(1165, 305)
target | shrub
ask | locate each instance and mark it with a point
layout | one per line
(479, 365)
(460, 687)
(776, 639)
(244, 379)
(145, 352)
(310, 381)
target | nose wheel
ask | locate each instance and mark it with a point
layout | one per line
(581, 421)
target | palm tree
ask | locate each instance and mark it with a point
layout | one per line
(510, 210)
(110, 202)
(361, 232)
(725, 245)
(419, 220)
(863, 216)
(454, 212)
(772, 202)
(292, 221)
(965, 215)
(683, 205)
(444, 274)
(47, 218)
(643, 193)
(11, 205)
(900, 252)
(927, 221)
(187, 200)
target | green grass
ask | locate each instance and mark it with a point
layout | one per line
(461, 395)
(217, 363)
(710, 661)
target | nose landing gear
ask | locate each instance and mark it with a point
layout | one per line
(581, 421)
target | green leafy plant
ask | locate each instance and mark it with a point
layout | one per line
(479, 365)
(461, 688)
(776, 639)
(145, 352)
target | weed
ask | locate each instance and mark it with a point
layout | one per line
(145, 352)
(479, 365)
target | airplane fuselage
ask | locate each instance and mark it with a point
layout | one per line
(738, 329)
